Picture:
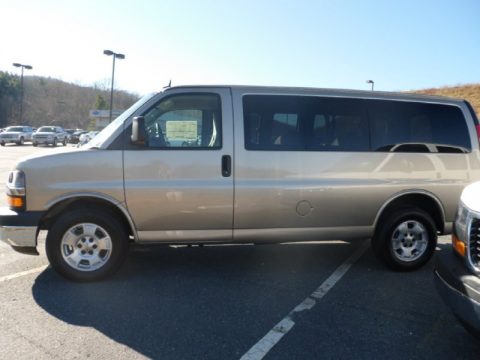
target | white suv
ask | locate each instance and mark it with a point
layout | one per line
(16, 134)
(457, 270)
(50, 135)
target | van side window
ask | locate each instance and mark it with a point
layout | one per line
(404, 126)
(273, 122)
(285, 130)
(316, 123)
(339, 125)
(304, 123)
(185, 121)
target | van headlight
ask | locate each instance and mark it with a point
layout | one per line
(16, 190)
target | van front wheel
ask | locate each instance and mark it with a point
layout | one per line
(406, 239)
(87, 244)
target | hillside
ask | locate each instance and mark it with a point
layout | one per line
(470, 92)
(50, 101)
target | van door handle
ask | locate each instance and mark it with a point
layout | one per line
(226, 165)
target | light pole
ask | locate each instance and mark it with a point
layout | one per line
(22, 66)
(371, 82)
(115, 56)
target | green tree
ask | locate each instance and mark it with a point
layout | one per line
(9, 96)
(9, 85)
(101, 103)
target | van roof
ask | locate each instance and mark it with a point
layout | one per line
(367, 94)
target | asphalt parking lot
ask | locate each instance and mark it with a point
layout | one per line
(324, 300)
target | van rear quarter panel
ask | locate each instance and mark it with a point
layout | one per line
(310, 189)
(343, 189)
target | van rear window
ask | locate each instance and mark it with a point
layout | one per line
(401, 126)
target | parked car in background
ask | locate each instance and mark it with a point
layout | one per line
(49, 135)
(457, 270)
(16, 134)
(69, 133)
(75, 137)
(85, 138)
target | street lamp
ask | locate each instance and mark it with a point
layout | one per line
(371, 82)
(22, 66)
(115, 56)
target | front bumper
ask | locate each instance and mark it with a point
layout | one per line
(43, 141)
(9, 141)
(20, 229)
(459, 289)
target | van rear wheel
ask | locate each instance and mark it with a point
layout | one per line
(87, 244)
(406, 239)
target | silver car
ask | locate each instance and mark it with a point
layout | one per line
(235, 164)
(50, 135)
(16, 134)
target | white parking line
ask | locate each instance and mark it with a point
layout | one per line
(261, 348)
(22, 273)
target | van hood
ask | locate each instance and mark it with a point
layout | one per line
(49, 153)
(51, 176)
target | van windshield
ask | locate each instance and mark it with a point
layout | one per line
(111, 128)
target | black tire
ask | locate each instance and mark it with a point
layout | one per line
(21, 141)
(34, 144)
(57, 250)
(2, 143)
(64, 142)
(418, 229)
(54, 143)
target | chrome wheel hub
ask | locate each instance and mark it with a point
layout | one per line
(86, 247)
(409, 240)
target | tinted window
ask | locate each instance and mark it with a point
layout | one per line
(304, 123)
(185, 121)
(341, 124)
(46, 129)
(338, 125)
(417, 127)
(15, 128)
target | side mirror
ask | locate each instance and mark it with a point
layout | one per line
(139, 134)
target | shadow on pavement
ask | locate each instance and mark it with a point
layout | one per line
(200, 302)
(215, 302)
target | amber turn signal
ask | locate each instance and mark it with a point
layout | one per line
(458, 245)
(16, 202)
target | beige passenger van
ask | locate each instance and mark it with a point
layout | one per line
(207, 164)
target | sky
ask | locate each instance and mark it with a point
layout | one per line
(400, 45)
